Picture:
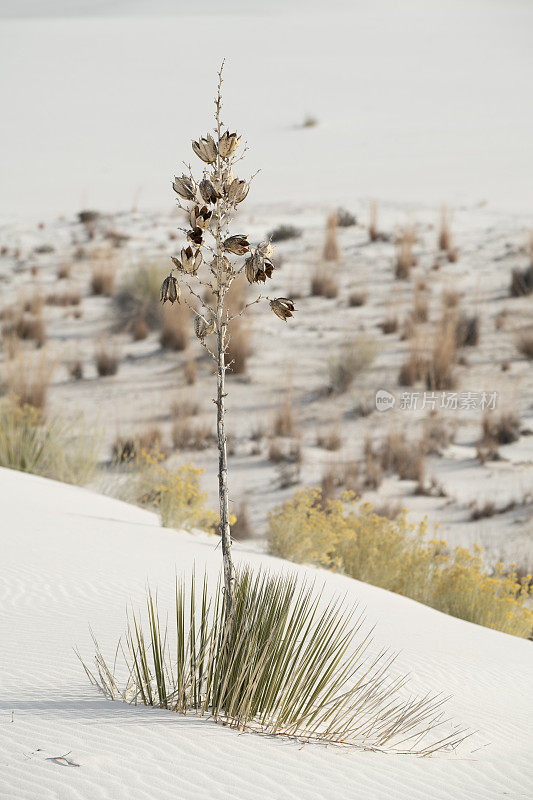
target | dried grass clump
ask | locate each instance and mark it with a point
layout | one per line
(445, 233)
(397, 556)
(26, 328)
(70, 297)
(521, 282)
(403, 457)
(450, 298)
(357, 299)
(440, 375)
(524, 343)
(331, 247)
(175, 331)
(129, 448)
(334, 688)
(106, 359)
(75, 369)
(437, 435)
(285, 422)
(288, 457)
(190, 372)
(140, 330)
(389, 324)
(324, 284)
(330, 439)
(187, 435)
(283, 233)
(44, 446)
(242, 527)
(414, 369)
(373, 230)
(27, 379)
(503, 428)
(466, 331)
(103, 275)
(345, 219)
(405, 258)
(63, 271)
(138, 297)
(373, 468)
(239, 347)
(353, 358)
(420, 304)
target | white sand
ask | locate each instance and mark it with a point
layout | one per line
(71, 558)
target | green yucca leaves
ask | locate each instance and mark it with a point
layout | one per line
(286, 664)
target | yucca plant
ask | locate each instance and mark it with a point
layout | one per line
(209, 261)
(289, 664)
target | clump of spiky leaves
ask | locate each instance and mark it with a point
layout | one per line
(213, 258)
(289, 664)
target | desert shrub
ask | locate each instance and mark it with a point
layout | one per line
(103, 274)
(373, 468)
(524, 343)
(30, 442)
(140, 330)
(283, 233)
(138, 297)
(450, 298)
(88, 215)
(175, 494)
(106, 359)
(406, 458)
(70, 297)
(440, 375)
(187, 435)
(389, 324)
(445, 234)
(502, 428)
(324, 284)
(397, 556)
(63, 271)
(286, 665)
(437, 434)
(242, 527)
(353, 358)
(285, 422)
(26, 328)
(420, 304)
(405, 259)
(414, 368)
(356, 299)
(345, 219)
(75, 369)
(27, 378)
(330, 439)
(466, 331)
(331, 247)
(190, 372)
(129, 448)
(521, 282)
(175, 331)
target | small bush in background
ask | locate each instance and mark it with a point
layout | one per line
(106, 359)
(175, 331)
(466, 331)
(103, 274)
(405, 259)
(140, 330)
(352, 359)
(324, 284)
(70, 297)
(345, 219)
(27, 378)
(75, 369)
(138, 297)
(524, 343)
(357, 299)
(126, 449)
(503, 428)
(283, 233)
(242, 527)
(521, 282)
(239, 347)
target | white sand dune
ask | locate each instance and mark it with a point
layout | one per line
(70, 558)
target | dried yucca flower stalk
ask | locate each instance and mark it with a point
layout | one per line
(212, 260)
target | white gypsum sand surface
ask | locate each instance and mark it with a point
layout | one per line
(71, 558)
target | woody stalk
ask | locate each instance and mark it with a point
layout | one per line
(213, 260)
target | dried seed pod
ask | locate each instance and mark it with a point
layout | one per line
(200, 217)
(258, 267)
(170, 290)
(184, 186)
(203, 328)
(266, 249)
(195, 236)
(208, 191)
(282, 307)
(225, 264)
(191, 260)
(228, 143)
(206, 149)
(237, 191)
(237, 244)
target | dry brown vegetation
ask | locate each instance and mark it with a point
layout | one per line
(466, 330)
(176, 325)
(356, 299)
(63, 271)
(502, 428)
(403, 457)
(106, 359)
(70, 297)
(27, 378)
(405, 258)
(331, 247)
(239, 346)
(521, 282)
(285, 422)
(75, 369)
(103, 275)
(140, 330)
(437, 434)
(420, 303)
(242, 527)
(129, 448)
(190, 372)
(324, 284)
(330, 439)
(445, 234)
(450, 298)
(524, 343)
(26, 328)
(389, 324)
(373, 230)
(352, 358)
(439, 375)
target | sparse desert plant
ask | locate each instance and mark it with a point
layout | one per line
(26, 328)
(285, 422)
(310, 121)
(373, 230)
(63, 271)
(331, 247)
(503, 428)
(44, 446)
(239, 346)
(397, 556)
(404, 244)
(324, 284)
(521, 282)
(373, 468)
(466, 330)
(450, 298)
(345, 218)
(404, 457)
(440, 375)
(242, 527)
(75, 369)
(106, 359)
(414, 368)
(187, 435)
(420, 304)
(389, 324)
(284, 233)
(138, 297)
(524, 343)
(437, 434)
(353, 358)
(356, 299)
(175, 331)
(69, 297)
(140, 330)
(330, 439)
(445, 232)
(221, 191)
(126, 449)
(190, 372)
(27, 378)
(103, 274)
(334, 687)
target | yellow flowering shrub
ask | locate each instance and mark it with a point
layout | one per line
(395, 555)
(175, 493)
